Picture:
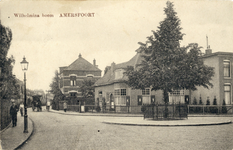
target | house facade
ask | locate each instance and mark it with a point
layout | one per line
(222, 80)
(112, 91)
(72, 76)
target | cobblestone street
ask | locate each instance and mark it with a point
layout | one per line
(56, 131)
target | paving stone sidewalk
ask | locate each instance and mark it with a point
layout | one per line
(13, 137)
(138, 120)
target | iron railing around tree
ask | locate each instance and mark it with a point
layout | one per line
(165, 111)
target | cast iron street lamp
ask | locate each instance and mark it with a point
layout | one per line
(24, 65)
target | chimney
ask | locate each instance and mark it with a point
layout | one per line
(208, 51)
(94, 62)
(79, 55)
(112, 67)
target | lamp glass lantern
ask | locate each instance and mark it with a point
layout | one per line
(24, 64)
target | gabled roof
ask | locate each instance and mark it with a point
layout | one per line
(81, 64)
(109, 77)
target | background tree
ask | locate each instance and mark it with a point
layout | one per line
(166, 65)
(87, 88)
(54, 89)
(8, 82)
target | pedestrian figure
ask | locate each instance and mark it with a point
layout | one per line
(65, 106)
(21, 109)
(13, 112)
(39, 105)
(48, 105)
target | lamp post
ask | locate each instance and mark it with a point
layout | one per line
(24, 65)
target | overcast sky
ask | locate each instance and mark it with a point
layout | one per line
(112, 35)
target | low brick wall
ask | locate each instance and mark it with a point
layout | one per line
(5, 113)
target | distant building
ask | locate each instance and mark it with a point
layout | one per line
(222, 80)
(72, 76)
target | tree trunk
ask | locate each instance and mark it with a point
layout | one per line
(166, 100)
(190, 92)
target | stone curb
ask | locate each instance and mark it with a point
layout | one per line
(98, 114)
(19, 146)
(165, 125)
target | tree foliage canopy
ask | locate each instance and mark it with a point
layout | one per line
(167, 66)
(87, 88)
(54, 88)
(8, 82)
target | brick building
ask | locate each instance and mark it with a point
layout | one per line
(72, 76)
(222, 80)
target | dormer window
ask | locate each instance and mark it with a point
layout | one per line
(119, 73)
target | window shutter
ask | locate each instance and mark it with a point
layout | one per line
(139, 99)
(127, 100)
(152, 99)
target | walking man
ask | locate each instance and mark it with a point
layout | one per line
(13, 112)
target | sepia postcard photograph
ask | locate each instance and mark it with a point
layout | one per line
(116, 75)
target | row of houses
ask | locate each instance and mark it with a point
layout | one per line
(111, 89)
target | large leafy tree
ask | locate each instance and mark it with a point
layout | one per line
(167, 66)
(8, 82)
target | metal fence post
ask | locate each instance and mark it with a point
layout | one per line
(173, 109)
(153, 113)
(179, 111)
(203, 109)
(188, 108)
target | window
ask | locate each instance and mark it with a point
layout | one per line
(120, 96)
(226, 67)
(120, 92)
(120, 100)
(72, 80)
(176, 96)
(73, 94)
(227, 94)
(146, 96)
(89, 76)
(146, 92)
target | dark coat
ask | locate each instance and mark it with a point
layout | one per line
(14, 110)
